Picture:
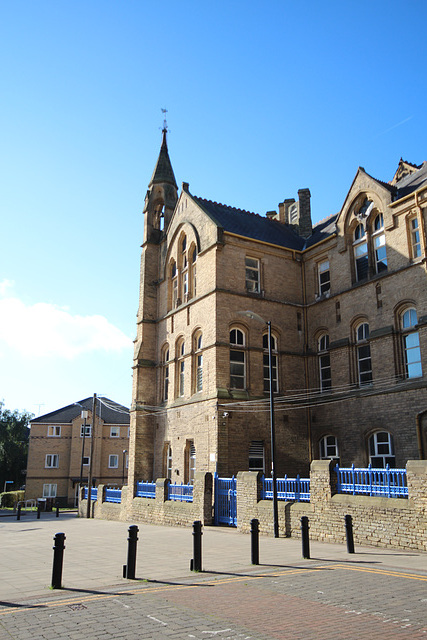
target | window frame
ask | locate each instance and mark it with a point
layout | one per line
(361, 268)
(52, 490)
(51, 458)
(238, 348)
(363, 347)
(254, 454)
(379, 244)
(324, 359)
(374, 450)
(414, 237)
(198, 362)
(110, 457)
(165, 373)
(88, 430)
(274, 360)
(411, 333)
(324, 446)
(325, 286)
(112, 435)
(56, 431)
(252, 283)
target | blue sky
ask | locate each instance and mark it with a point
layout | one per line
(263, 98)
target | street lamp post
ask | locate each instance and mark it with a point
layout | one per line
(92, 445)
(123, 468)
(255, 316)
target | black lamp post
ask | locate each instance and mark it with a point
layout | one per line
(255, 316)
(84, 416)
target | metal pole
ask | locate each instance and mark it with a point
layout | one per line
(89, 479)
(18, 511)
(305, 538)
(349, 534)
(196, 564)
(254, 541)
(58, 555)
(273, 436)
(131, 559)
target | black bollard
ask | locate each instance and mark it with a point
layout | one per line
(349, 533)
(131, 561)
(197, 546)
(57, 512)
(305, 538)
(18, 512)
(38, 511)
(58, 556)
(254, 541)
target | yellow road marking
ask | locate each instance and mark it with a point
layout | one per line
(210, 583)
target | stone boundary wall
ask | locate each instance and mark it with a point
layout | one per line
(158, 510)
(380, 522)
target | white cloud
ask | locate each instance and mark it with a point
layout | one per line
(46, 330)
(5, 284)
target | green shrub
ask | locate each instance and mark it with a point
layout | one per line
(9, 499)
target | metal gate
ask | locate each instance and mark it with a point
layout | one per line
(225, 511)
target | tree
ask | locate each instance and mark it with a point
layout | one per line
(14, 436)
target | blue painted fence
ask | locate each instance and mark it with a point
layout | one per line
(225, 507)
(389, 483)
(93, 493)
(297, 489)
(145, 490)
(113, 495)
(180, 492)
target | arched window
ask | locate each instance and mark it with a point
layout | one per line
(198, 362)
(174, 284)
(324, 362)
(190, 461)
(165, 373)
(266, 363)
(194, 271)
(411, 344)
(381, 450)
(180, 351)
(363, 350)
(184, 269)
(237, 359)
(378, 238)
(328, 446)
(360, 248)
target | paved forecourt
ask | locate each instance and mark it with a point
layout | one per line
(373, 593)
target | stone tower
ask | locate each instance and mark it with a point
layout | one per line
(160, 202)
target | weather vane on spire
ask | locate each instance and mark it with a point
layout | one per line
(165, 124)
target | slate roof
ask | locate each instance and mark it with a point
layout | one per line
(322, 230)
(111, 412)
(412, 182)
(251, 225)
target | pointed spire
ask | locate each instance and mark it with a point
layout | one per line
(163, 172)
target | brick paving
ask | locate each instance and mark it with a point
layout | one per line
(373, 594)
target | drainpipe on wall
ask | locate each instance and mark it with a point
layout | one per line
(420, 434)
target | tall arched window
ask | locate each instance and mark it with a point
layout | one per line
(174, 284)
(363, 349)
(411, 344)
(266, 363)
(360, 247)
(184, 269)
(324, 362)
(165, 373)
(194, 272)
(381, 450)
(237, 359)
(415, 239)
(378, 238)
(198, 363)
(180, 351)
(167, 460)
(190, 461)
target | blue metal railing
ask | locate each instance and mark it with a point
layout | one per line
(113, 495)
(297, 489)
(93, 493)
(145, 490)
(388, 483)
(180, 492)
